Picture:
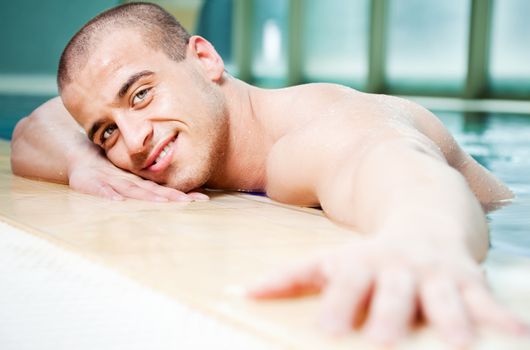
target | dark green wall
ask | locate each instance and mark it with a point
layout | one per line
(34, 32)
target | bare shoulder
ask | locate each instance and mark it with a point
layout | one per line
(330, 121)
(489, 190)
(341, 124)
(323, 92)
(314, 100)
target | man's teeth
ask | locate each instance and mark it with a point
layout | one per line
(163, 153)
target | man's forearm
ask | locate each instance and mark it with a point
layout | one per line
(444, 214)
(401, 191)
(46, 142)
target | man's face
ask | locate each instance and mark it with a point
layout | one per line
(157, 118)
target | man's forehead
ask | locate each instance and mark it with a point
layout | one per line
(119, 50)
(107, 68)
(111, 63)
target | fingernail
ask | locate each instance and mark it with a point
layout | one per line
(117, 198)
(161, 199)
(200, 197)
(183, 198)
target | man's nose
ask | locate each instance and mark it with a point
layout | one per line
(136, 133)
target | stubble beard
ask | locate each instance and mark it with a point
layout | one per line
(212, 156)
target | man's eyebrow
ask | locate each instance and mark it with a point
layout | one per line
(123, 90)
(132, 79)
(95, 127)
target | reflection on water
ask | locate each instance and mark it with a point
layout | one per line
(500, 142)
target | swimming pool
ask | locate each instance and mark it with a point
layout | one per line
(500, 142)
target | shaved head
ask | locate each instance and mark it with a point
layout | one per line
(158, 29)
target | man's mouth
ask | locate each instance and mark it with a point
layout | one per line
(160, 159)
(163, 153)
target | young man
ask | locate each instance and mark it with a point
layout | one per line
(159, 104)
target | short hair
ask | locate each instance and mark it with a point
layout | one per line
(159, 29)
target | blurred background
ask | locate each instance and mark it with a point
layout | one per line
(466, 49)
(460, 50)
(466, 60)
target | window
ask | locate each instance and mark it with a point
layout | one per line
(269, 42)
(509, 71)
(427, 44)
(335, 42)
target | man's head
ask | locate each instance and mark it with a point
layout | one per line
(160, 31)
(148, 93)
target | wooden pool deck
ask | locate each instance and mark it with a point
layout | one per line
(202, 254)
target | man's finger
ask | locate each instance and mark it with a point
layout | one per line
(198, 196)
(131, 190)
(171, 193)
(300, 279)
(344, 300)
(486, 311)
(162, 191)
(392, 307)
(106, 191)
(443, 307)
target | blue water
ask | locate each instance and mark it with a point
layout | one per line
(500, 142)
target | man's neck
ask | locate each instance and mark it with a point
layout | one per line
(249, 140)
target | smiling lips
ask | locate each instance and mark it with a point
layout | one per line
(163, 159)
(163, 153)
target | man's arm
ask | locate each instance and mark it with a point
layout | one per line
(48, 145)
(46, 142)
(404, 186)
(426, 232)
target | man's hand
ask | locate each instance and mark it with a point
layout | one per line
(385, 285)
(48, 145)
(97, 176)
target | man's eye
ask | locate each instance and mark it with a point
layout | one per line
(140, 96)
(107, 132)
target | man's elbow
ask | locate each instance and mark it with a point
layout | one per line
(17, 145)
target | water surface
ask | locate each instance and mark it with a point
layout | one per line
(501, 143)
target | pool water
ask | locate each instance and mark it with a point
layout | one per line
(500, 142)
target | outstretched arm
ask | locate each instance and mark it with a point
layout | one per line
(48, 145)
(426, 233)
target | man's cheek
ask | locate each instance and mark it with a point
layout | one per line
(119, 159)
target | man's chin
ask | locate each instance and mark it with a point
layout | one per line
(186, 184)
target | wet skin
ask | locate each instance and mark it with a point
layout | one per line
(381, 165)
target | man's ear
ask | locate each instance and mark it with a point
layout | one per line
(208, 57)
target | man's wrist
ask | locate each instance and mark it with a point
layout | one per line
(430, 230)
(81, 153)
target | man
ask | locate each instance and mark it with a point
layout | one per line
(159, 104)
